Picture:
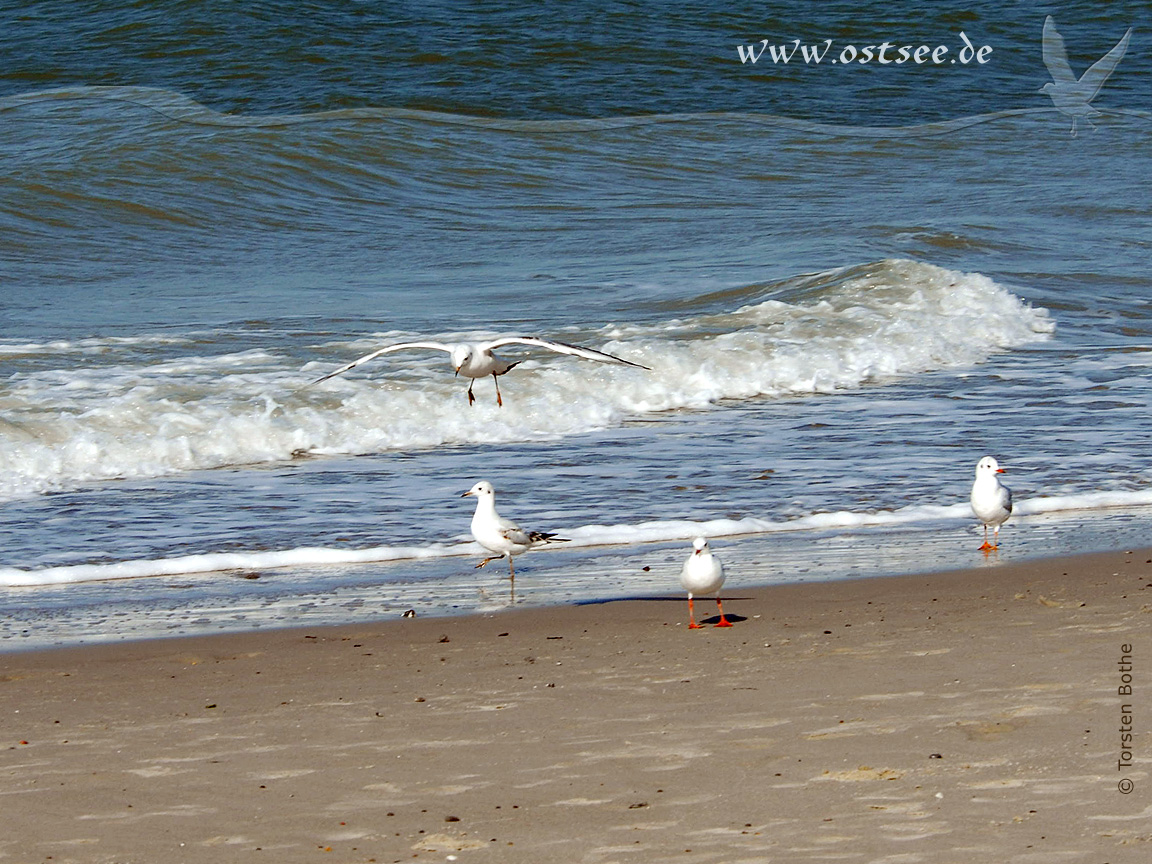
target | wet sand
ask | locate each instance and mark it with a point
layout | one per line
(964, 716)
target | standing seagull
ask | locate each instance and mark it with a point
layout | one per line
(702, 574)
(500, 535)
(1071, 96)
(991, 500)
(476, 360)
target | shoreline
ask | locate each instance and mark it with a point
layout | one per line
(760, 593)
(972, 710)
(218, 603)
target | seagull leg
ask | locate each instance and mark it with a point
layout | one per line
(499, 401)
(986, 545)
(471, 398)
(486, 560)
(511, 580)
(692, 625)
(723, 622)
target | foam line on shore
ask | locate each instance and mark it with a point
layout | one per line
(585, 536)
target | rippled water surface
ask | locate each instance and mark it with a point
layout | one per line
(201, 214)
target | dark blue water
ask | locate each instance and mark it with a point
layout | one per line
(595, 60)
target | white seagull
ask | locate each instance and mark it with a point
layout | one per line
(1072, 97)
(500, 535)
(476, 360)
(702, 574)
(991, 500)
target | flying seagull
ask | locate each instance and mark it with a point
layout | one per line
(500, 535)
(477, 360)
(702, 574)
(991, 500)
(1071, 96)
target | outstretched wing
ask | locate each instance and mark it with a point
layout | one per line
(564, 348)
(1055, 57)
(1099, 71)
(399, 346)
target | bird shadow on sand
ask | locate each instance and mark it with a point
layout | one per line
(654, 598)
(732, 619)
(599, 601)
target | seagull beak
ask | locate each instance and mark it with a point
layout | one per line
(999, 470)
(466, 494)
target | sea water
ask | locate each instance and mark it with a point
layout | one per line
(848, 282)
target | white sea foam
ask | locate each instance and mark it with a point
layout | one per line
(158, 415)
(90, 345)
(218, 561)
(585, 536)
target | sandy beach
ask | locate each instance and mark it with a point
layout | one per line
(964, 716)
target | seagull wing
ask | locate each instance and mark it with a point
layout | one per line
(1055, 57)
(399, 346)
(563, 348)
(1099, 71)
(514, 534)
(1006, 498)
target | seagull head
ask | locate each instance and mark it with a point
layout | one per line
(699, 546)
(480, 490)
(988, 465)
(461, 354)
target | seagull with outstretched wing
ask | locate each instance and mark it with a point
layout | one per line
(477, 360)
(1071, 96)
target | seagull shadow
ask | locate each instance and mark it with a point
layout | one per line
(732, 619)
(598, 601)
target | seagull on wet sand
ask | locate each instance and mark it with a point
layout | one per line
(702, 574)
(991, 500)
(477, 360)
(1071, 96)
(500, 535)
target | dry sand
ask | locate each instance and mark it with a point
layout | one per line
(969, 717)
